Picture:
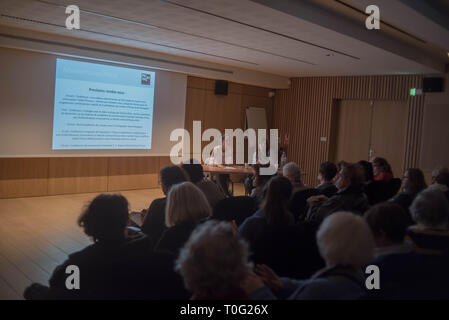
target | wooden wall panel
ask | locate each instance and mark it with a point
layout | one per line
(304, 112)
(222, 111)
(127, 173)
(23, 177)
(77, 175)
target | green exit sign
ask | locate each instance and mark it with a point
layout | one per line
(415, 92)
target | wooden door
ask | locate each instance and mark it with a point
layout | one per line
(351, 130)
(388, 133)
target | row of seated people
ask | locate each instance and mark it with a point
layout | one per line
(185, 251)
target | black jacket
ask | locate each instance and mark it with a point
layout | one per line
(154, 224)
(351, 199)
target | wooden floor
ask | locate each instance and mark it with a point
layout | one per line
(37, 234)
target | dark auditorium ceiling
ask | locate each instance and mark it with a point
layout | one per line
(282, 37)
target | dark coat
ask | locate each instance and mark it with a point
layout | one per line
(174, 238)
(125, 269)
(154, 224)
(351, 199)
(328, 189)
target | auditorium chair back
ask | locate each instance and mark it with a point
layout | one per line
(291, 251)
(234, 208)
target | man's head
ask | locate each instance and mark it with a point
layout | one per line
(388, 223)
(194, 170)
(349, 175)
(438, 171)
(327, 171)
(430, 209)
(171, 175)
(292, 172)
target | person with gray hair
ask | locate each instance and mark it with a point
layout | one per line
(346, 244)
(293, 173)
(430, 211)
(214, 262)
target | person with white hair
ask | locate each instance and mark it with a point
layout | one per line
(430, 211)
(346, 244)
(214, 262)
(186, 207)
(293, 173)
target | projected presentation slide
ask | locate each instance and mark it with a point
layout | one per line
(102, 107)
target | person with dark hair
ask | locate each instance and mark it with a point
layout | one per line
(397, 259)
(104, 220)
(327, 172)
(350, 195)
(154, 221)
(382, 169)
(373, 189)
(259, 183)
(368, 173)
(195, 172)
(388, 222)
(413, 182)
(273, 212)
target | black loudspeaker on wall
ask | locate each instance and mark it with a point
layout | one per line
(432, 84)
(221, 87)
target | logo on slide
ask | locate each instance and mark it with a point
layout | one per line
(146, 79)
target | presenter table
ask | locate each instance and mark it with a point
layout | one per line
(227, 170)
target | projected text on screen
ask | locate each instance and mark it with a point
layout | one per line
(102, 107)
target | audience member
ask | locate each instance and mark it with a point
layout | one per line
(350, 196)
(430, 211)
(413, 182)
(436, 172)
(154, 221)
(397, 260)
(327, 172)
(195, 172)
(373, 189)
(293, 173)
(346, 244)
(104, 220)
(273, 212)
(382, 169)
(259, 183)
(186, 207)
(440, 180)
(214, 262)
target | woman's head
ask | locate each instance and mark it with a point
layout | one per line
(171, 175)
(413, 181)
(105, 218)
(214, 261)
(381, 165)
(345, 239)
(274, 206)
(186, 202)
